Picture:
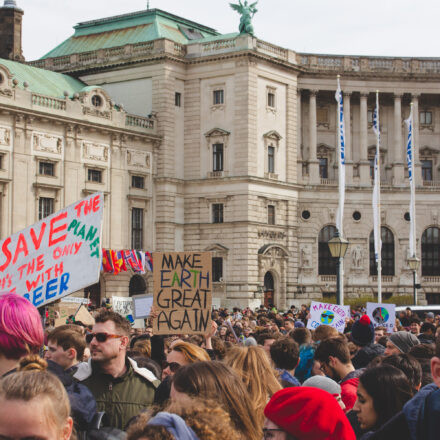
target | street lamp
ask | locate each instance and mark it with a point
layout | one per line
(414, 264)
(338, 247)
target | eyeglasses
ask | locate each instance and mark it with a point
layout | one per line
(100, 337)
(270, 433)
(173, 366)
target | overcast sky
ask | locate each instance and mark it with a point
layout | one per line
(352, 27)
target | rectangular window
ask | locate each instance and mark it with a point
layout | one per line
(218, 97)
(322, 115)
(178, 99)
(271, 99)
(370, 116)
(1, 161)
(426, 118)
(94, 175)
(217, 213)
(217, 157)
(371, 167)
(271, 159)
(323, 168)
(137, 182)
(45, 207)
(217, 269)
(137, 228)
(270, 214)
(426, 169)
(46, 168)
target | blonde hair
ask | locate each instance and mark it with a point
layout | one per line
(32, 381)
(191, 352)
(253, 367)
(143, 347)
(206, 418)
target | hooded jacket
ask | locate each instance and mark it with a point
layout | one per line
(419, 419)
(123, 397)
(349, 385)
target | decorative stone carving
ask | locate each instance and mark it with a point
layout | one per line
(95, 151)
(274, 235)
(5, 136)
(306, 256)
(97, 112)
(139, 159)
(47, 142)
(6, 92)
(357, 257)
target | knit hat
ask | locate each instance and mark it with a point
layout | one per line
(309, 414)
(403, 340)
(175, 425)
(362, 332)
(250, 342)
(299, 324)
(430, 315)
(323, 383)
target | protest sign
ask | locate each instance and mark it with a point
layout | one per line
(75, 299)
(124, 306)
(142, 306)
(329, 314)
(182, 292)
(382, 315)
(56, 256)
(84, 316)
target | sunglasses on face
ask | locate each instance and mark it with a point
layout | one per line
(174, 366)
(100, 337)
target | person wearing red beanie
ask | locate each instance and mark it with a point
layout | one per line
(305, 413)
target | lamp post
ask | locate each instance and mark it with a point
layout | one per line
(414, 264)
(338, 247)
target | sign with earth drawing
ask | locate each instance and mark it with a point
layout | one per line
(382, 315)
(328, 314)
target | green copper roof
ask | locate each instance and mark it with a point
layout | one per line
(43, 81)
(137, 27)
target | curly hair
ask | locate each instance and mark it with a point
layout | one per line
(204, 417)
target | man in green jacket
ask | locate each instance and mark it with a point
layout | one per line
(121, 389)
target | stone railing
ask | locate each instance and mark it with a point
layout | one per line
(369, 64)
(329, 182)
(273, 50)
(219, 45)
(139, 121)
(47, 101)
(328, 278)
(179, 49)
(431, 183)
(385, 278)
(434, 280)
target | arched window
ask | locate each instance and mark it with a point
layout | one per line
(326, 263)
(431, 252)
(137, 285)
(387, 253)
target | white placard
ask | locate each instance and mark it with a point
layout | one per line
(329, 314)
(142, 306)
(75, 299)
(124, 306)
(382, 315)
(56, 256)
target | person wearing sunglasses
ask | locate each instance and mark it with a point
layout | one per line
(121, 389)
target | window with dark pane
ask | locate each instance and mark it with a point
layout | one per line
(387, 253)
(427, 169)
(138, 182)
(217, 157)
(425, 118)
(271, 159)
(219, 97)
(46, 168)
(94, 175)
(137, 228)
(323, 168)
(96, 101)
(178, 99)
(217, 269)
(271, 99)
(371, 160)
(45, 207)
(270, 214)
(326, 263)
(217, 213)
(431, 252)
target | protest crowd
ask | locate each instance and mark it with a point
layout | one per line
(255, 374)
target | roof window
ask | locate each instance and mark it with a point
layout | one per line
(190, 33)
(96, 101)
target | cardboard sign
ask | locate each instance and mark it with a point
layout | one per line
(329, 314)
(84, 316)
(124, 306)
(75, 299)
(56, 256)
(182, 292)
(142, 306)
(382, 315)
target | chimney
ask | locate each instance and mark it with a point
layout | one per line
(11, 18)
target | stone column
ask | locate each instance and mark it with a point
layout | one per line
(313, 161)
(348, 152)
(398, 164)
(364, 164)
(416, 138)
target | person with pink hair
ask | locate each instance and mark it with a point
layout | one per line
(21, 331)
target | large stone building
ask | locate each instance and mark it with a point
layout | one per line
(242, 144)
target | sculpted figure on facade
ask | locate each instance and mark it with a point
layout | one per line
(356, 257)
(306, 256)
(247, 12)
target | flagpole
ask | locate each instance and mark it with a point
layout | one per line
(379, 225)
(413, 204)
